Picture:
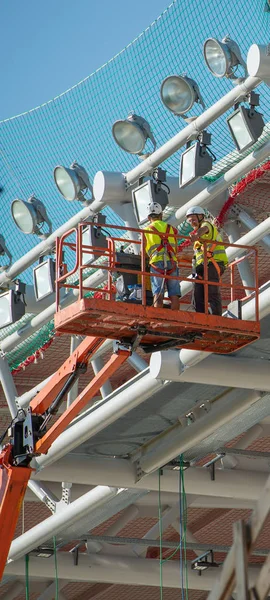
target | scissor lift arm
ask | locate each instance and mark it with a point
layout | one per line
(28, 435)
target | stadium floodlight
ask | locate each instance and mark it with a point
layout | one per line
(4, 251)
(72, 182)
(150, 191)
(44, 278)
(222, 58)
(196, 160)
(30, 216)
(131, 134)
(179, 93)
(246, 124)
(12, 306)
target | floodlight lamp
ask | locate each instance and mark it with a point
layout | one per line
(223, 58)
(246, 124)
(43, 552)
(179, 93)
(131, 134)
(12, 305)
(195, 161)
(72, 182)
(144, 194)
(4, 251)
(201, 563)
(30, 216)
(44, 279)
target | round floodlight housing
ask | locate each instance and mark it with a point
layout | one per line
(30, 216)
(25, 216)
(72, 181)
(222, 57)
(132, 133)
(179, 93)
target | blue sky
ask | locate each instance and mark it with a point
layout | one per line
(50, 46)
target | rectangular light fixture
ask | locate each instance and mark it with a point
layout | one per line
(44, 279)
(147, 192)
(194, 162)
(245, 125)
(92, 236)
(12, 308)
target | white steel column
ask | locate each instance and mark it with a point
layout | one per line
(244, 268)
(75, 341)
(106, 388)
(250, 224)
(8, 386)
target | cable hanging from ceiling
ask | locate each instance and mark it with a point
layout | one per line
(181, 547)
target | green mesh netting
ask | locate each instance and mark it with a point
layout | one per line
(77, 124)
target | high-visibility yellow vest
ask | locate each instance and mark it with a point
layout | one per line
(216, 252)
(158, 248)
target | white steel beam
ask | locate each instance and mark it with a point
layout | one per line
(82, 469)
(245, 373)
(118, 404)
(120, 570)
(178, 439)
(54, 524)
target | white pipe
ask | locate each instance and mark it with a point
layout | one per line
(213, 189)
(120, 570)
(45, 246)
(75, 341)
(82, 469)
(106, 388)
(137, 362)
(246, 373)
(192, 130)
(147, 504)
(8, 386)
(11, 341)
(250, 224)
(58, 522)
(244, 268)
(127, 397)
(179, 439)
(25, 398)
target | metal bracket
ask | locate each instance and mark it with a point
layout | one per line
(139, 472)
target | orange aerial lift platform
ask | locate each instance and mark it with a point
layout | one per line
(98, 314)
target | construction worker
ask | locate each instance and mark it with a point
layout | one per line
(216, 255)
(162, 257)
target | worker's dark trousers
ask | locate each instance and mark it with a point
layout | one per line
(214, 296)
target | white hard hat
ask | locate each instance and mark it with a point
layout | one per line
(154, 208)
(195, 210)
